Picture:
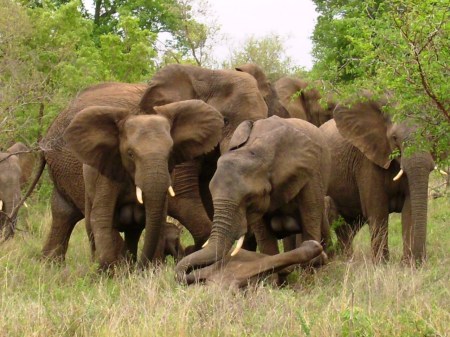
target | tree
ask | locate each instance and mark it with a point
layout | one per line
(268, 52)
(398, 47)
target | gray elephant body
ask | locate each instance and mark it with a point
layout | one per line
(274, 180)
(362, 185)
(234, 95)
(16, 166)
(290, 97)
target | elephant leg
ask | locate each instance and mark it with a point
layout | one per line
(289, 243)
(267, 242)
(311, 207)
(108, 242)
(131, 244)
(64, 218)
(187, 206)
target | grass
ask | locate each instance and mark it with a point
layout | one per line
(341, 299)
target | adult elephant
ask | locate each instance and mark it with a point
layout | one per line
(274, 180)
(366, 184)
(234, 95)
(290, 97)
(128, 158)
(16, 166)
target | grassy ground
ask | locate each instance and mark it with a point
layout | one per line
(341, 299)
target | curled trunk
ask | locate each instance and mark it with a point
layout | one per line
(224, 233)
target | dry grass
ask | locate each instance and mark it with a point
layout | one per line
(342, 299)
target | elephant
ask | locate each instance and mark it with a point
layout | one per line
(273, 180)
(234, 95)
(16, 167)
(366, 183)
(248, 267)
(128, 158)
(290, 97)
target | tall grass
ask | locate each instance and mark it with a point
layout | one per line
(344, 298)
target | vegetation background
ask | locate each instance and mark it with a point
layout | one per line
(51, 49)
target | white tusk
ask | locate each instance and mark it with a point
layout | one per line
(1, 205)
(443, 172)
(25, 204)
(238, 246)
(171, 191)
(139, 195)
(398, 176)
(205, 244)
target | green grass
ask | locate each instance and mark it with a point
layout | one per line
(344, 298)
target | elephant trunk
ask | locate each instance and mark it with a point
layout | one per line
(418, 170)
(224, 232)
(155, 185)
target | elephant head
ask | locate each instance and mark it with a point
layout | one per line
(234, 94)
(119, 143)
(370, 130)
(266, 89)
(302, 101)
(268, 163)
(16, 166)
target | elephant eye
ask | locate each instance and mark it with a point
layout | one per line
(130, 154)
(226, 121)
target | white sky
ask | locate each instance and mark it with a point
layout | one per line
(294, 20)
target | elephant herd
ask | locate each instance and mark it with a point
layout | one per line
(232, 157)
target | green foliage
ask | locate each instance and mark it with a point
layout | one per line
(267, 52)
(397, 48)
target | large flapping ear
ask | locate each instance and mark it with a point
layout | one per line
(93, 136)
(289, 91)
(296, 156)
(26, 160)
(365, 126)
(241, 135)
(258, 74)
(172, 83)
(196, 127)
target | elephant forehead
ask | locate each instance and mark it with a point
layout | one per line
(147, 123)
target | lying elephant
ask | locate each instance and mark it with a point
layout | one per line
(247, 267)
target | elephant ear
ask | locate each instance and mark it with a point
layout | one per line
(172, 83)
(258, 74)
(241, 135)
(196, 128)
(93, 136)
(365, 126)
(26, 161)
(296, 156)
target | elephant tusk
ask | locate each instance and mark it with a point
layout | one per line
(171, 191)
(25, 204)
(205, 244)
(443, 172)
(1, 205)
(238, 246)
(398, 176)
(139, 195)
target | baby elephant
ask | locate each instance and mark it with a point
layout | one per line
(273, 179)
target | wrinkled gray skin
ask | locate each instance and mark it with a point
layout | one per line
(274, 180)
(247, 267)
(290, 97)
(15, 170)
(234, 95)
(361, 138)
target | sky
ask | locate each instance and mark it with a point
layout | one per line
(294, 20)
